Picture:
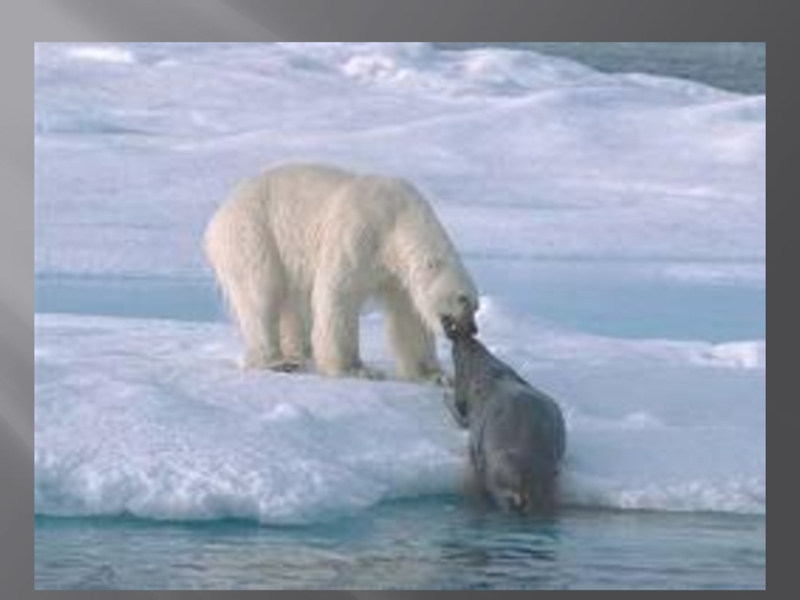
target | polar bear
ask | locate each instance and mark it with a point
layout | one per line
(299, 250)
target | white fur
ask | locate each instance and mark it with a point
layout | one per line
(298, 250)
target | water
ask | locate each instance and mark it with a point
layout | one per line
(626, 301)
(425, 544)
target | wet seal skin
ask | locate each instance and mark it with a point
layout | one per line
(517, 436)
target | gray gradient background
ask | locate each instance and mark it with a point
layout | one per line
(257, 20)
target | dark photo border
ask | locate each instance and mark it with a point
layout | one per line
(260, 20)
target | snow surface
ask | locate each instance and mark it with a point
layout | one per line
(528, 160)
(524, 156)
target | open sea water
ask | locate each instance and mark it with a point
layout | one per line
(433, 543)
(446, 542)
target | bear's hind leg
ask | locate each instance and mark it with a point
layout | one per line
(258, 324)
(254, 298)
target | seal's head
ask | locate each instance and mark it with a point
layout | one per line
(517, 485)
(460, 327)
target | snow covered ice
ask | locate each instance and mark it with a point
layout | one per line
(531, 162)
(153, 419)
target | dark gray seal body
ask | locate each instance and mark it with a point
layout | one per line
(517, 434)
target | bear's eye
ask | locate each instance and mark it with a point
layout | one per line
(432, 263)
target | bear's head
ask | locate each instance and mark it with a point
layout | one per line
(448, 299)
(425, 260)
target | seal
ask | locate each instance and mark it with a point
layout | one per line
(517, 436)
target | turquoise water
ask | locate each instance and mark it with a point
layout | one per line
(599, 298)
(437, 543)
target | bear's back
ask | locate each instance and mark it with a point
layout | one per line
(328, 185)
(311, 208)
(320, 197)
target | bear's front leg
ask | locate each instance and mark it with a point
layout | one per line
(335, 334)
(413, 345)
